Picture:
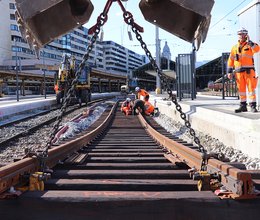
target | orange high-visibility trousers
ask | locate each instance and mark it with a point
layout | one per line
(249, 80)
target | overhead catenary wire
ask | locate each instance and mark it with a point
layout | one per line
(228, 14)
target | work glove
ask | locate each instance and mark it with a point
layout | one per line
(230, 70)
(249, 42)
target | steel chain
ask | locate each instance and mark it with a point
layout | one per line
(100, 22)
(130, 21)
(128, 18)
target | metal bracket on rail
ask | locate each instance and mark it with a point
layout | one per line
(206, 180)
(35, 182)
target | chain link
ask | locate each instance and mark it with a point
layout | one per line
(165, 82)
(128, 18)
(42, 156)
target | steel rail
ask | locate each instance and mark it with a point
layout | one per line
(10, 174)
(239, 182)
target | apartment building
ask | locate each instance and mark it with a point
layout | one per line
(107, 56)
(120, 60)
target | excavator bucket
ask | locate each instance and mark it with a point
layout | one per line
(187, 19)
(42, 21)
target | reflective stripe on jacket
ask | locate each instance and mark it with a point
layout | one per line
(241, 56)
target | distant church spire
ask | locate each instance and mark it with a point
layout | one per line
(166, 51)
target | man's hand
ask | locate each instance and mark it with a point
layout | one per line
(247, 38)
(249, 42)
(230, 76)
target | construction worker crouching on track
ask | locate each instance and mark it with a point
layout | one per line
(148, 107)
(143, 107)
(242, 61)
(127, 107)
(141, 93)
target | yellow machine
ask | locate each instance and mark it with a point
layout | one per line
(63, 81)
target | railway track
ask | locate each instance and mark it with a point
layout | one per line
(31, 135)
(21, 127)
(122, 168)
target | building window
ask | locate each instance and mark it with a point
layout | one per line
(16, 49)
(14, 27)
(11, 6)
(12, 17)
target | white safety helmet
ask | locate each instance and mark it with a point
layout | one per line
(137, 89)
(128, 99)
(242, 31)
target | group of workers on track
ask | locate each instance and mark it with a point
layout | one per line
(139, 105)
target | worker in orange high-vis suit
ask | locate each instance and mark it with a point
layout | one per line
(148, 107)
(141, 93)
(126, 107)
(241, 61)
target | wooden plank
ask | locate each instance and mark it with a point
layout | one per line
(125, 154)
(107, 166)
(122, 184)
(137, 150)
(127, 159)
(142, 174)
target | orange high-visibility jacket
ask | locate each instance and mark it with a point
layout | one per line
(143, 93)
(241, 56)
(126, 107)
(149, 108)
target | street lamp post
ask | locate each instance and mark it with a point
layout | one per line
(44, 78)
(16, 70)
(158, 61)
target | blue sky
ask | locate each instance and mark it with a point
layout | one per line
(221, 35)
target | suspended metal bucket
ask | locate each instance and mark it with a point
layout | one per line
(187, 19)
(41, 21)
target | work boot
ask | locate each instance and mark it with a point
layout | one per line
(253, 107)
(242, 108)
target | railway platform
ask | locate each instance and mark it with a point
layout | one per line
(10, 107)
(209, 114)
